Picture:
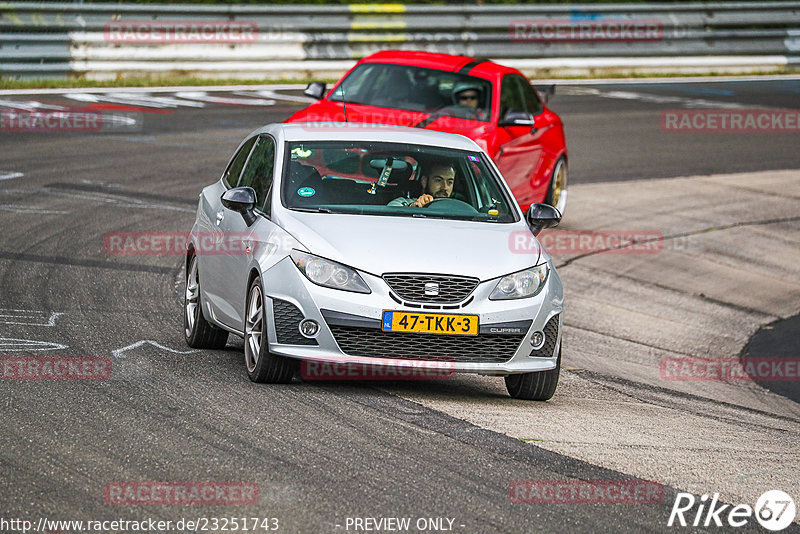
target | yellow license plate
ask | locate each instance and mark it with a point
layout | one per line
(430, 323)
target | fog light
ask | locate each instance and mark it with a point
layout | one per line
(537, 340)
(309, 328)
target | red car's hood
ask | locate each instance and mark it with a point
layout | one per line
(325, 111)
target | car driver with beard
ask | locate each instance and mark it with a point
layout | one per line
(437, 182)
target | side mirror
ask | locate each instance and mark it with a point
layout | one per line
(541, 216)
(241, 200)
(515, 117)
(315, 90)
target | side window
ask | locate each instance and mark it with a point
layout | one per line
(533, 104)
(511, 95)
(234, 169)
(258, 171)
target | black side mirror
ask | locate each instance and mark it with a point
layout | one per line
(541, 216)
(515, 117)
(241, 200)
(315, 90)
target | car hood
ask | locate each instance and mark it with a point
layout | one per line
(384, 244)
(325, 111)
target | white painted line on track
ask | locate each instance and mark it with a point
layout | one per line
(31, 209)
(30, 105)
(29, 317)
(8, 344)
(120, 353)
(277, 96)
(134, 100)
(698, 103)
(202, 96)
(145, 99)
(10, 175)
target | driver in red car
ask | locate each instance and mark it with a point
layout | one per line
(467, 97)
(436, 183)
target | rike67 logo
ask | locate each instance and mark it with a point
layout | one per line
(774, 510)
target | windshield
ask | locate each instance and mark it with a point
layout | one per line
(417, 89)
(401, 180)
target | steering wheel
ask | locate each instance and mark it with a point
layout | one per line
(454, 203)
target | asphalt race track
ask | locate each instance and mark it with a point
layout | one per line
(320, 453)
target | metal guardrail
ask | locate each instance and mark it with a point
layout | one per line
(72, 39)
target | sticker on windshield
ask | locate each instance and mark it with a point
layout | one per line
(473, 158)
(306, 192)
(298, 152)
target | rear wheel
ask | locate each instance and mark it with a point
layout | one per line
(199, 333)
(262, 366)
(538, 386)
(557, 192)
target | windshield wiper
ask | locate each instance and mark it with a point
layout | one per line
(313, 210)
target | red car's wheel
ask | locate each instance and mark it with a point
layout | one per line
(557, 192)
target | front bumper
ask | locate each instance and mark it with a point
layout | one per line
(350, 327)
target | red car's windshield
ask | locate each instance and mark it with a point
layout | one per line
(416, 89)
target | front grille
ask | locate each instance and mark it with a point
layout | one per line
(550, 338)
(374, 343)
(412, 286)
(287, 323)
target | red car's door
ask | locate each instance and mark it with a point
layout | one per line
(519, 152)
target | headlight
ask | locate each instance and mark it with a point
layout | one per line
(520, 285)
(328, 273)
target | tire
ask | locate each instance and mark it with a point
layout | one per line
(538, 386)
(199, 333)
(262, 366)
(557, 191)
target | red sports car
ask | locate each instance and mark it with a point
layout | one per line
(495, 106)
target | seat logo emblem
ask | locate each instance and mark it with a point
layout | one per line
(431, 289)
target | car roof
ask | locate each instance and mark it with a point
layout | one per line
(434, 60)
(349, 131)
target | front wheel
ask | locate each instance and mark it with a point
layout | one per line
(262, 366)
(557, 192)
(539, 386)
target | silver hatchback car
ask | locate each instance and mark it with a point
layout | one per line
(376, 246)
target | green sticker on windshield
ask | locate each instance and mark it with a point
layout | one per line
(306, 192)
(298, 152)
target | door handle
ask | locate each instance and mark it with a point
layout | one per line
(220, 216)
